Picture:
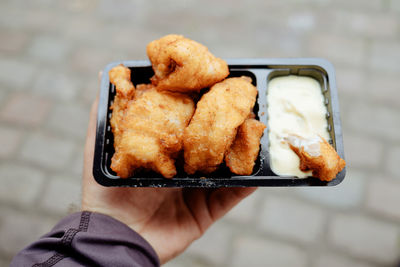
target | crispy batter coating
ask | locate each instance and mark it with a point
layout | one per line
(213, 127)
(241, 155)
(325, 165)
(148, 131)
(183, 65)
(120, 76)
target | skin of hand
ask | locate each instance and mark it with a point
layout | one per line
(170, 219)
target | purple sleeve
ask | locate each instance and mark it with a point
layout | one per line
(88, 239)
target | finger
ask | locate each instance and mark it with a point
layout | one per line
(91, 131)
(100, 75)
(90, 140)
(224, 199)
(196, 200)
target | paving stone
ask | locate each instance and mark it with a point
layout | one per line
(245, 210)
(20, 184)
(12, 18)
(384, 197)
(38, 19)
(337, 49)
(78, 5)
(346, 195)
(301, 22)
(81, 25)
(37, 3)
(90, 91)
(392, 162)
(121, 10)
(318, 2)
(358, 4)
(5, 261)
(185, 260)
(57, 85)
(370, 24)
(395, 5)
(49, 49)
(335, 260)
(254, 251)
(30, 228)
(386, 120)
(363, 151)
(383, 88)
(385, 56)
(12, 41)
(71, 119)
(350, 80)
(213, 245)
(173, 263)
(364, 237)
(3, 95)
(291, 219)
(47, 150)
(25, 109)
(61, 195)
(122, 39)
(9, 141)
(281, 44)
(15, 73)
(91, 60)
(30, 17)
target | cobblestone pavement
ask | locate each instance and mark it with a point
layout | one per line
(51, 51)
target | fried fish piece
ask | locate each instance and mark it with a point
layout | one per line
(241, 155)
(213, 127)
(183, 65)
(120, 76)
(317, 155)
(148, 130)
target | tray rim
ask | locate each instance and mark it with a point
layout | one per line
(235, 181)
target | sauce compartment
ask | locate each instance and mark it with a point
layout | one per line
(325, 117)
(261, 71)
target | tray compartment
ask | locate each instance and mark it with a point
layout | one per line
(142, 75)
(319, 76)
(261, 71)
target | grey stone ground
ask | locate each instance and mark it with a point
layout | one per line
(51, 51)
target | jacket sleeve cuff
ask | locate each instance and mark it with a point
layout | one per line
(87, 238)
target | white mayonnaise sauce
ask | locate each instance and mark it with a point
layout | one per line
(295, 107)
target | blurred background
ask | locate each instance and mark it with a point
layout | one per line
(51, 52)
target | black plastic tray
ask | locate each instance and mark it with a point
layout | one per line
(261, 71)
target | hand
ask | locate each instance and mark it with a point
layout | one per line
(170, 219)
